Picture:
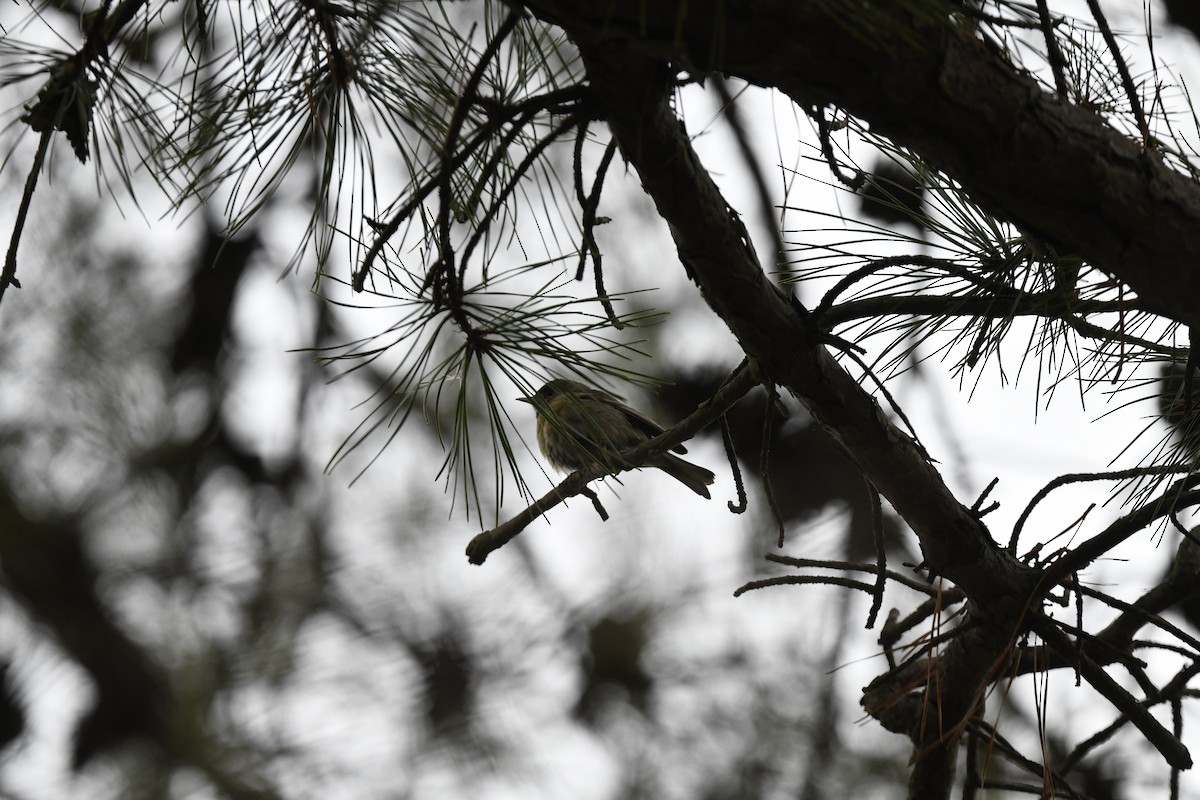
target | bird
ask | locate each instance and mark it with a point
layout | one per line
(579, 426)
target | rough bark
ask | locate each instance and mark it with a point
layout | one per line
(772, 330)
(1053, 168)
(1058, 170)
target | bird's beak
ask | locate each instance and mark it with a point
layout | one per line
(525, 400)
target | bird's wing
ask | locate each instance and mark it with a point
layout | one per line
(636, 418)
(647, 425)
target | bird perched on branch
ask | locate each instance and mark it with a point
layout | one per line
(578, 427)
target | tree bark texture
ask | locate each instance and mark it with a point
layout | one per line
(922, 78)
(1053, 168)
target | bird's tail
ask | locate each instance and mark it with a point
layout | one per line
(693, 476)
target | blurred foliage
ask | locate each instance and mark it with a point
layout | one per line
(258, 632)
(228, 621)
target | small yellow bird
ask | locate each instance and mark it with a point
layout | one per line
(578, 426)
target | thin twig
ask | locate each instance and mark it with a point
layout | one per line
(880, 553)
(796, 580)
(887, 395)
(1177, 729)
(824, 135)
(738, 482)
(596, 504)
(1172, 750)
(1117, 532)
(589, 246)
(9, 276)
(764, 461)
(1081, 477)
(1008, 750)
(1110, 40)
(758, 178)
(1147, 616)
(1173, 688)
(949, 595)
(1058, 64)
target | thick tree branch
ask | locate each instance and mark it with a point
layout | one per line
(772, 329)
(1056, 169)
(634, 93)
(1022, 152)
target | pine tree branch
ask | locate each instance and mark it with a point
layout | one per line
(772, 329)
(775, 332)
(1056, 169)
